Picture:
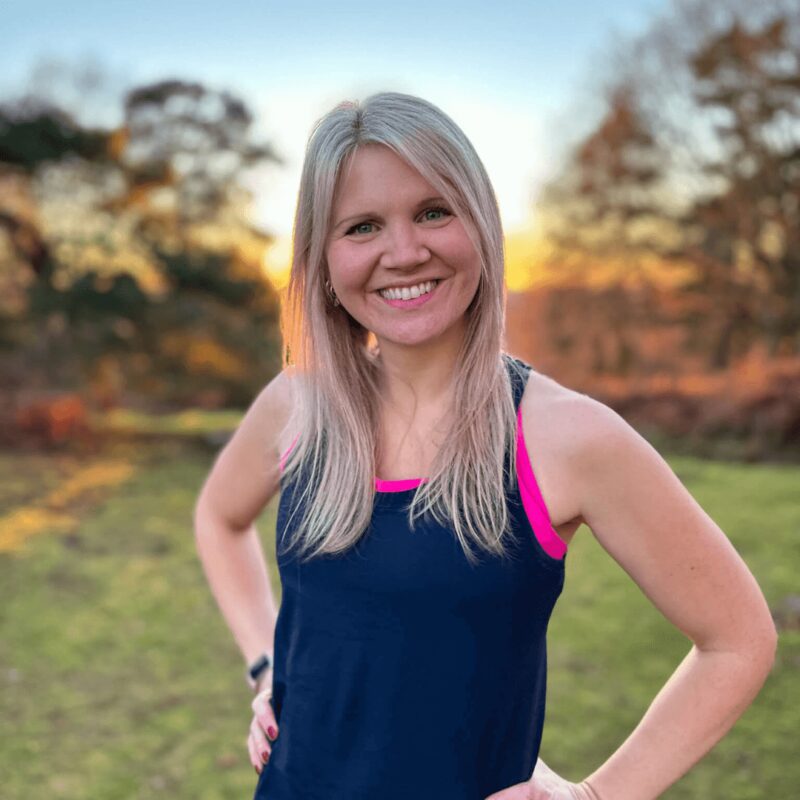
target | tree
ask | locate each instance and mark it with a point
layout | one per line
(137, 245)
(752, 223)
(605, 205)
(694, 167)
(191, 142)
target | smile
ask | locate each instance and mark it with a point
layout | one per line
(411, 296)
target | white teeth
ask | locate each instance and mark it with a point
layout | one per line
(408, 292)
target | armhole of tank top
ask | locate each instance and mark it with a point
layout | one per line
(533, 502)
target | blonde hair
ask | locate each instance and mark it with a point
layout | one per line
(335, 361)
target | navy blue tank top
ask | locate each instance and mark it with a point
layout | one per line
(403, 671)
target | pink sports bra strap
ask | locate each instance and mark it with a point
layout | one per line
(532, 499)
(287, 451)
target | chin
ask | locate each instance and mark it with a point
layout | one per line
(411, 338)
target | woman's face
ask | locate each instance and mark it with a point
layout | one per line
(391, 231)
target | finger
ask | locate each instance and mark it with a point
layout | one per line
(260, 741)
(265, 715)
(254, 757)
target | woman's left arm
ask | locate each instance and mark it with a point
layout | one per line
(651, 525)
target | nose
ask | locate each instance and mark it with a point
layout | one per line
(404, 247)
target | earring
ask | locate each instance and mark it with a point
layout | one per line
(331, 293)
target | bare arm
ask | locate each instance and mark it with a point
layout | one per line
(245, 476)
(650, 524)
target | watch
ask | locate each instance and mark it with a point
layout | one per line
(256, 669)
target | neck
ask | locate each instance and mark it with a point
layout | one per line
(417, 378)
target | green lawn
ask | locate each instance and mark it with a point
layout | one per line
(118, 678)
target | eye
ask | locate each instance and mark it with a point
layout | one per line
(438, 210)
(356, 226)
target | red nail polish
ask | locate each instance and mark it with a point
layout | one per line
(265, 756)
(273, 734)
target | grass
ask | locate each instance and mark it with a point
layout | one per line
(119, 679)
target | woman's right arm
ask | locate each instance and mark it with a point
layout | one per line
(243, 479)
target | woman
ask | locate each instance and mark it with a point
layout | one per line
(410, 648)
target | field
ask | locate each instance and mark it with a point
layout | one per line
(118, 678)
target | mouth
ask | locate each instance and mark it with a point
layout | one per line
(406, 298)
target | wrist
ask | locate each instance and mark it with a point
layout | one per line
(257, 670)
(264, 681)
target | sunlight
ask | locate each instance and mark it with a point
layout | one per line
(278, 261)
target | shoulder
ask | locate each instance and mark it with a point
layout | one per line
(567, 434)
(574, 420)
(282, 391)
(246, 473)
(577, 422)
(590, 459)
(271, 407)
(273, 410)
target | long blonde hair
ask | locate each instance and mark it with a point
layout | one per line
(334, 359)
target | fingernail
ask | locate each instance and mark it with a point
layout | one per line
(265, 756)
(273, 734)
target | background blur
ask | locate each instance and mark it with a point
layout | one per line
(646, 157)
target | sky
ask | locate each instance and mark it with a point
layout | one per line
(520, 78)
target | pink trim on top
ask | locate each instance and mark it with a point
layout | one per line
(533, 502)
(287, 451)
(399, 485)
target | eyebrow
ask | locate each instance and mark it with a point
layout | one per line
(370, 214)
